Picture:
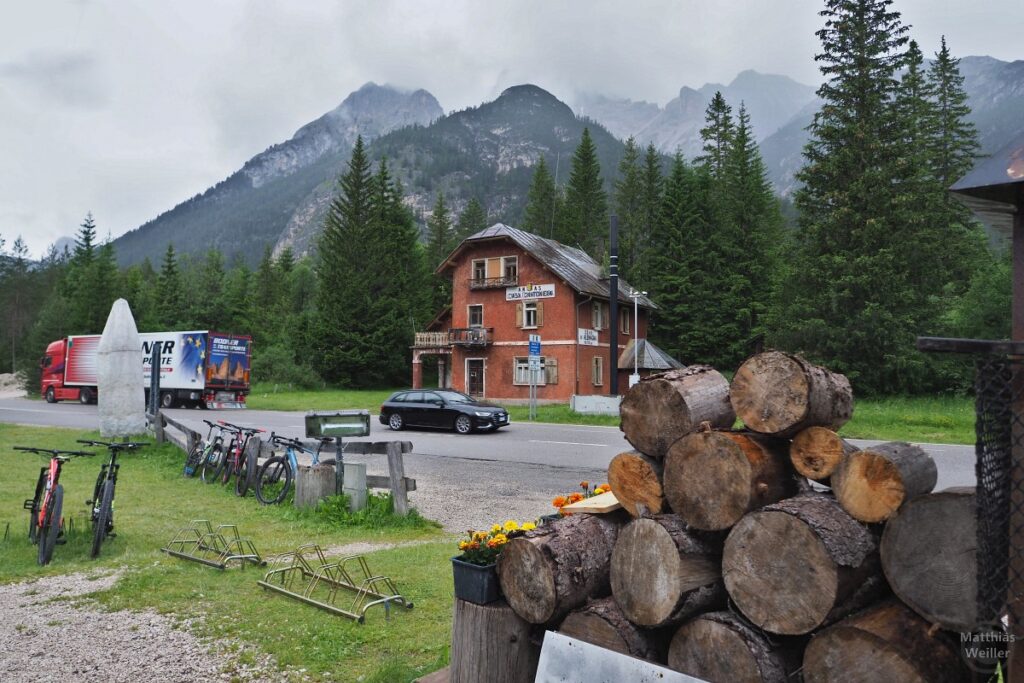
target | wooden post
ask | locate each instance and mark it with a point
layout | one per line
(491, 643)
(339, 470)
(158, 426)
(355, 485)
(396, 472)
(313, 484)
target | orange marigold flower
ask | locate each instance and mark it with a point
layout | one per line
(606, 487)
(575, 498)
(559, 501)
(474, 545)
(584, 484)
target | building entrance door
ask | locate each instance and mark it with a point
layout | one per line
(475, 376)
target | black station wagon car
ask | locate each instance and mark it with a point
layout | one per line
(440, 408)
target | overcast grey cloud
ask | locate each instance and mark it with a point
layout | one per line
(127, 108)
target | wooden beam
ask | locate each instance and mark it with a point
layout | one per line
(396, 471)
(382, 481)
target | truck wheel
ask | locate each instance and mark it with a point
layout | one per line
(84, 396)
(167, 400)
(51, 397)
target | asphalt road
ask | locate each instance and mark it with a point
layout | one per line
(574, 447)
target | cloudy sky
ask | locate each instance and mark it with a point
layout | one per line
(125, 108)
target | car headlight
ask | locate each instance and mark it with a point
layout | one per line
(479, 414)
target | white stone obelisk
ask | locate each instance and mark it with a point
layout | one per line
(122, 399)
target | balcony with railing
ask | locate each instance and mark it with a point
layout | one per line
(493, 282)
(457, 336)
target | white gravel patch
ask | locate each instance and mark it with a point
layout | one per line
(11, 385)
(49, 632)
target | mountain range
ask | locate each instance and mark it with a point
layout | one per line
(488, 152)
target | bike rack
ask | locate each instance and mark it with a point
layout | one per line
(202, 543)
(305, 575)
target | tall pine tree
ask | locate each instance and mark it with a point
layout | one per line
(440, 242)
(543, 202)
(629, 195)
(585, 219)
(170, 292)
(472, 220)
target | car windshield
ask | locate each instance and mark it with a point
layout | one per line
(455, 397)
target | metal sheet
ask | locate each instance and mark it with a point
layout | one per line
(567, 660)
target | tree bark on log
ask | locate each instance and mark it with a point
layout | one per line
(491, 643)
(601, 622)
(555, 568)
(929, 556)
(782, 394)
(636, 478)
(817, 451)
(801, 564)
(663, 407)
(719, 647)
(712, 479)
(885, 643)
(872, 484)
(662, 574)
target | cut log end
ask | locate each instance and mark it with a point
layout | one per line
(530, 589)
(872, 484)
(636, 479)
(601, 622)
(817, 451)
(717, 647)
(769, 392)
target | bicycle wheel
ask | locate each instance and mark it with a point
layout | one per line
(193, 459)
(245, 474)
(212, 463)
(50, 528)
(228, 470)
(273, 481)
(33, 519)
(104, 512)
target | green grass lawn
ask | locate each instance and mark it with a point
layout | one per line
(153, 501)
(933, 420)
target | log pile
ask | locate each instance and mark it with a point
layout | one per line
(727, 564)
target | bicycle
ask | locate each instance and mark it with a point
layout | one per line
(197, 457)
(45, 524)
(238, 463)
(216, 458)
(274, 478)
(102, 502)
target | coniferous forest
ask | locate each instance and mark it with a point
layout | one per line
(872, 253)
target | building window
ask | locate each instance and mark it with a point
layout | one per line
(597, 371)
(476, 315)
(598, 316)
(624, 321)
(511, 267)
(479, 269)
(521, 371)
(529, 314)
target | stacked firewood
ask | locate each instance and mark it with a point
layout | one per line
(749, 555)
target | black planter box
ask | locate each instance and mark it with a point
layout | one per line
(475, 583)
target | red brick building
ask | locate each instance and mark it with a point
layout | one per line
(508, 284)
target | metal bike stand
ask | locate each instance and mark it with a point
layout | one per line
(307, 576)
(200, 542)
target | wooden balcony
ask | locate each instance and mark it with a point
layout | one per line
(493, 282)
(459, 336)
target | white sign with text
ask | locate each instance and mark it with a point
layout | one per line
(585, 337)
(527, 292)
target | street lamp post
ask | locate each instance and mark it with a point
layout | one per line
(635, 296)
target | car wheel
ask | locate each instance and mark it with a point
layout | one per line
(463, 425)
(51, 397)
(84, 396)
(395, 422)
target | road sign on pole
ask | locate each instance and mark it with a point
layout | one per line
(534, 370)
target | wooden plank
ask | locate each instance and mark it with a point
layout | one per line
(374, 447)
(439, 676)
(599, 504)
(396, 471)
(158, 426)
(381, 481)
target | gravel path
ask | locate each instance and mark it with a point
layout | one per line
(48, 632)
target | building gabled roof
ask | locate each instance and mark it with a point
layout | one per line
(649, 357)
(573, 265)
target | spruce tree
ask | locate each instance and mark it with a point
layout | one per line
(472, 220)
(585, 219)
(650, 213)
(716, 135)
(440, 242)
(956, 145)
(842, 304)
(629, 195)
(171, 297)
(543, 202)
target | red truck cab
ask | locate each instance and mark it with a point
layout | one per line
(52, 386)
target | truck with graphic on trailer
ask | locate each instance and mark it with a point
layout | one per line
(198, 368)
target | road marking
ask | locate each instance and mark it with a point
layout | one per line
(574, 443)
(26, 410)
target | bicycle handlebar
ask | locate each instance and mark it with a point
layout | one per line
(115, 445)
(53, 452)
(212, 424)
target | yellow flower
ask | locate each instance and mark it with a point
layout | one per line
(598, 491)
(529, 526)
(463, 545)
(496, 528)
(479, 535)
(500, 539)
(510, 525)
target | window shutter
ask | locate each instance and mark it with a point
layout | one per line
(551, 370)
(519, 315)
(494, 268)
(540, 313)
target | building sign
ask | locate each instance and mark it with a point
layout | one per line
(585, 337)
(527, 292)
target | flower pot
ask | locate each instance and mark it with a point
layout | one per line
(475, 583)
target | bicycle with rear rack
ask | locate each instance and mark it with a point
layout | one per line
(274, 477)
(46, 523)
(239, 463)
(102, 503)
